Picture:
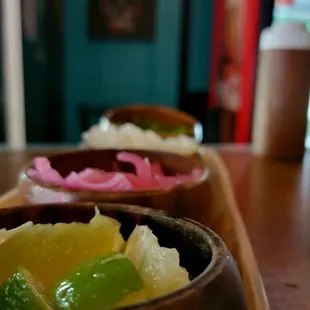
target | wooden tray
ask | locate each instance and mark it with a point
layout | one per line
(224, 218)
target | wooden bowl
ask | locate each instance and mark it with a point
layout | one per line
(175, 201)
(160, 114)
(216, 283)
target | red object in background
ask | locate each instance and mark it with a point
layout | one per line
(227, 58)
(248, 70)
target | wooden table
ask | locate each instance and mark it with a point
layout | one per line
(274, 199)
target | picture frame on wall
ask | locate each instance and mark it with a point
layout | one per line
(122, 19)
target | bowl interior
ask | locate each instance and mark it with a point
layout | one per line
(194, 242)
(105, 159)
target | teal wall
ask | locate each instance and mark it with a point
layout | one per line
(116, 73)
(105, 73)
(200, 45)
(94, 72)
(35, 61)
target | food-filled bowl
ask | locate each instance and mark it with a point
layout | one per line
(159, 180)
(106, 135)
(199, 255)
(165, 121)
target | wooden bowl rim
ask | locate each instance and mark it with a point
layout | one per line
(56, 188)
(219, 252)
(158, 108)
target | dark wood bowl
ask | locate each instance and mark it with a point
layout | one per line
(160, 114)
(216, 283)
(175, 201)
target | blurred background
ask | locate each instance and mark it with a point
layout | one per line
(195, 55)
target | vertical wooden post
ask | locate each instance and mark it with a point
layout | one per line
(13, 77)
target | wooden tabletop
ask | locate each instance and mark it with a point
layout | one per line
(274, 200)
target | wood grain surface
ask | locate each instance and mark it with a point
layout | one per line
(274, 201)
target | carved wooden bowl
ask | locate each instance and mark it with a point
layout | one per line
(215, 284)
(169, 117)
(176, 201)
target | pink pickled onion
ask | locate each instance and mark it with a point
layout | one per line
(142, 165)
(147, 176)
(157, 169)
(117, 182)
(42, 164)
(92, 175)
(45, 172)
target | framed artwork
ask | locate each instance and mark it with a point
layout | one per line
(122, 19)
